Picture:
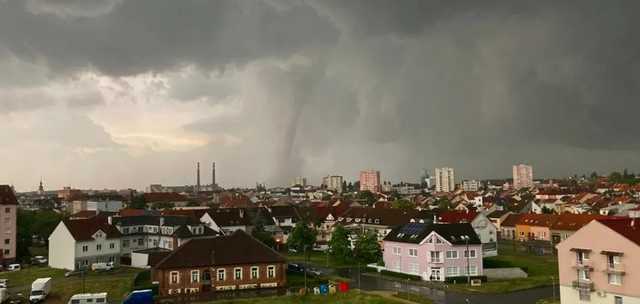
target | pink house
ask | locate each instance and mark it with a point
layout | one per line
(433, 251)
(600, 263)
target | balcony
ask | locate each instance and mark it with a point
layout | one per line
(436, 261)
(615, 268)
(583, 284)
(582, 264)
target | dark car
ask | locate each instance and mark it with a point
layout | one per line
(295, 268)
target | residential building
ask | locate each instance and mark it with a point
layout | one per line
(483, 227)
(379, 221)
(508, 227)
(445, 180)
(471, 185)
(370, 180)
(76, 244)
(602, 271)
(433, 251)
(299, 181)
(153, 231)
(99, 206)
(233, 262)
(8, 222)
(522, 176)
(333, 183)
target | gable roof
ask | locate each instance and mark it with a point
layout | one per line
(537, 220)
(84, 229)
(626, 227)
(235, 249)
(456, 217)
(378, 216)
(7, 196)
(157, 197)
(573, 222)
(416, 232)
(226, 217)
(511, 220)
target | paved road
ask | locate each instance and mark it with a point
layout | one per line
(371, 283)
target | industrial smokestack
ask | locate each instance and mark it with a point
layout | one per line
(213, 174)
(198, 179)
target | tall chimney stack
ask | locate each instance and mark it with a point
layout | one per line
(213, 175)
(198, 179)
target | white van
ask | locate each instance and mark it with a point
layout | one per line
(102, 266)
(88, 298)
(14, 267)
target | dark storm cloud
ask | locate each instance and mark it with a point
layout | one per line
(140, 36)
(397, 85)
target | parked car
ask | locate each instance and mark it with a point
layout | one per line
(314, 272)
(14, 267)
(4, 283)
(102, 266)
(295, 268)
(140, 297)
(73, 273)
(88, 298)
(39, 260)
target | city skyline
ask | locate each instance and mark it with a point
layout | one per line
(124, 94)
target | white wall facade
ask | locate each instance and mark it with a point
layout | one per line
(61, 248)
(570, 295)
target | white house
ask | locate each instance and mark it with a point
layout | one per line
(76, 244)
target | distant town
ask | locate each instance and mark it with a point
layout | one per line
(199, 242)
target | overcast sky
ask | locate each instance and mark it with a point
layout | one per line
(116, 93)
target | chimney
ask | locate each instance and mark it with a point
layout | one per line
(198, 179)
(213, 174)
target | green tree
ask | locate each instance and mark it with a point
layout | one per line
(137, 202)
(368, 196)
(302, 236)
(366, 249)
(443, 204)
(339, 245)
(402, 204)
(594, 175)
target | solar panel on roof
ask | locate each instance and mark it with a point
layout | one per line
(412, 228)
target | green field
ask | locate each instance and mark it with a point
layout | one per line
(318, 258)
(117, 282)
(352, 297)
(542, 271)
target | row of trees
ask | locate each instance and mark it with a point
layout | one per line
(365, 249)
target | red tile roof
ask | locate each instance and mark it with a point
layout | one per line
(453, 217)
(537, 220)
(84, 229)
(573, 222)
(627, 227)
(511, 220)
(157, 197)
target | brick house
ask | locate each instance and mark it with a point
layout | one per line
(231, 262)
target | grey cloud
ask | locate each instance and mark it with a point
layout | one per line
(72, 8)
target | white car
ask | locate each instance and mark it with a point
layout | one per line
(14, 267)
(4, 283)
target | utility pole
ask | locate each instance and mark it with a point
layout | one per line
(304, 252)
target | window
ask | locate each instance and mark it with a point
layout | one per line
(470, 253)
(195, 276)
(112, 245)
(581, 256)
(99, 247)
(125, 243)
(221, 274)
(435, 257)
(414, 268)
(583, 274)
(7, 210)
(452, 254)
(615, 279)
(452, 271)
(473, 270)
(7, 252)
(397, 250)
(85, 248)
(254, 272)
(413, 252)
(140, 242)
(271, 272)
(438, 241)
(613, 261)
(174, 277)
(125, 230)
(7, 241)
(237, 273)
(617, 300)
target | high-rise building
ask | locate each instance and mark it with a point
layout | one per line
(333, 183)
(370, 180)
(8, 220)
(445, 180)
(213, 175)
(471, 185)
(522, 176)
(299, 181)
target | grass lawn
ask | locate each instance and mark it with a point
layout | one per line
(413, 298)
(548, 301)
(117, 282)
(352, 297)
(318, 258)
(541, 269)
